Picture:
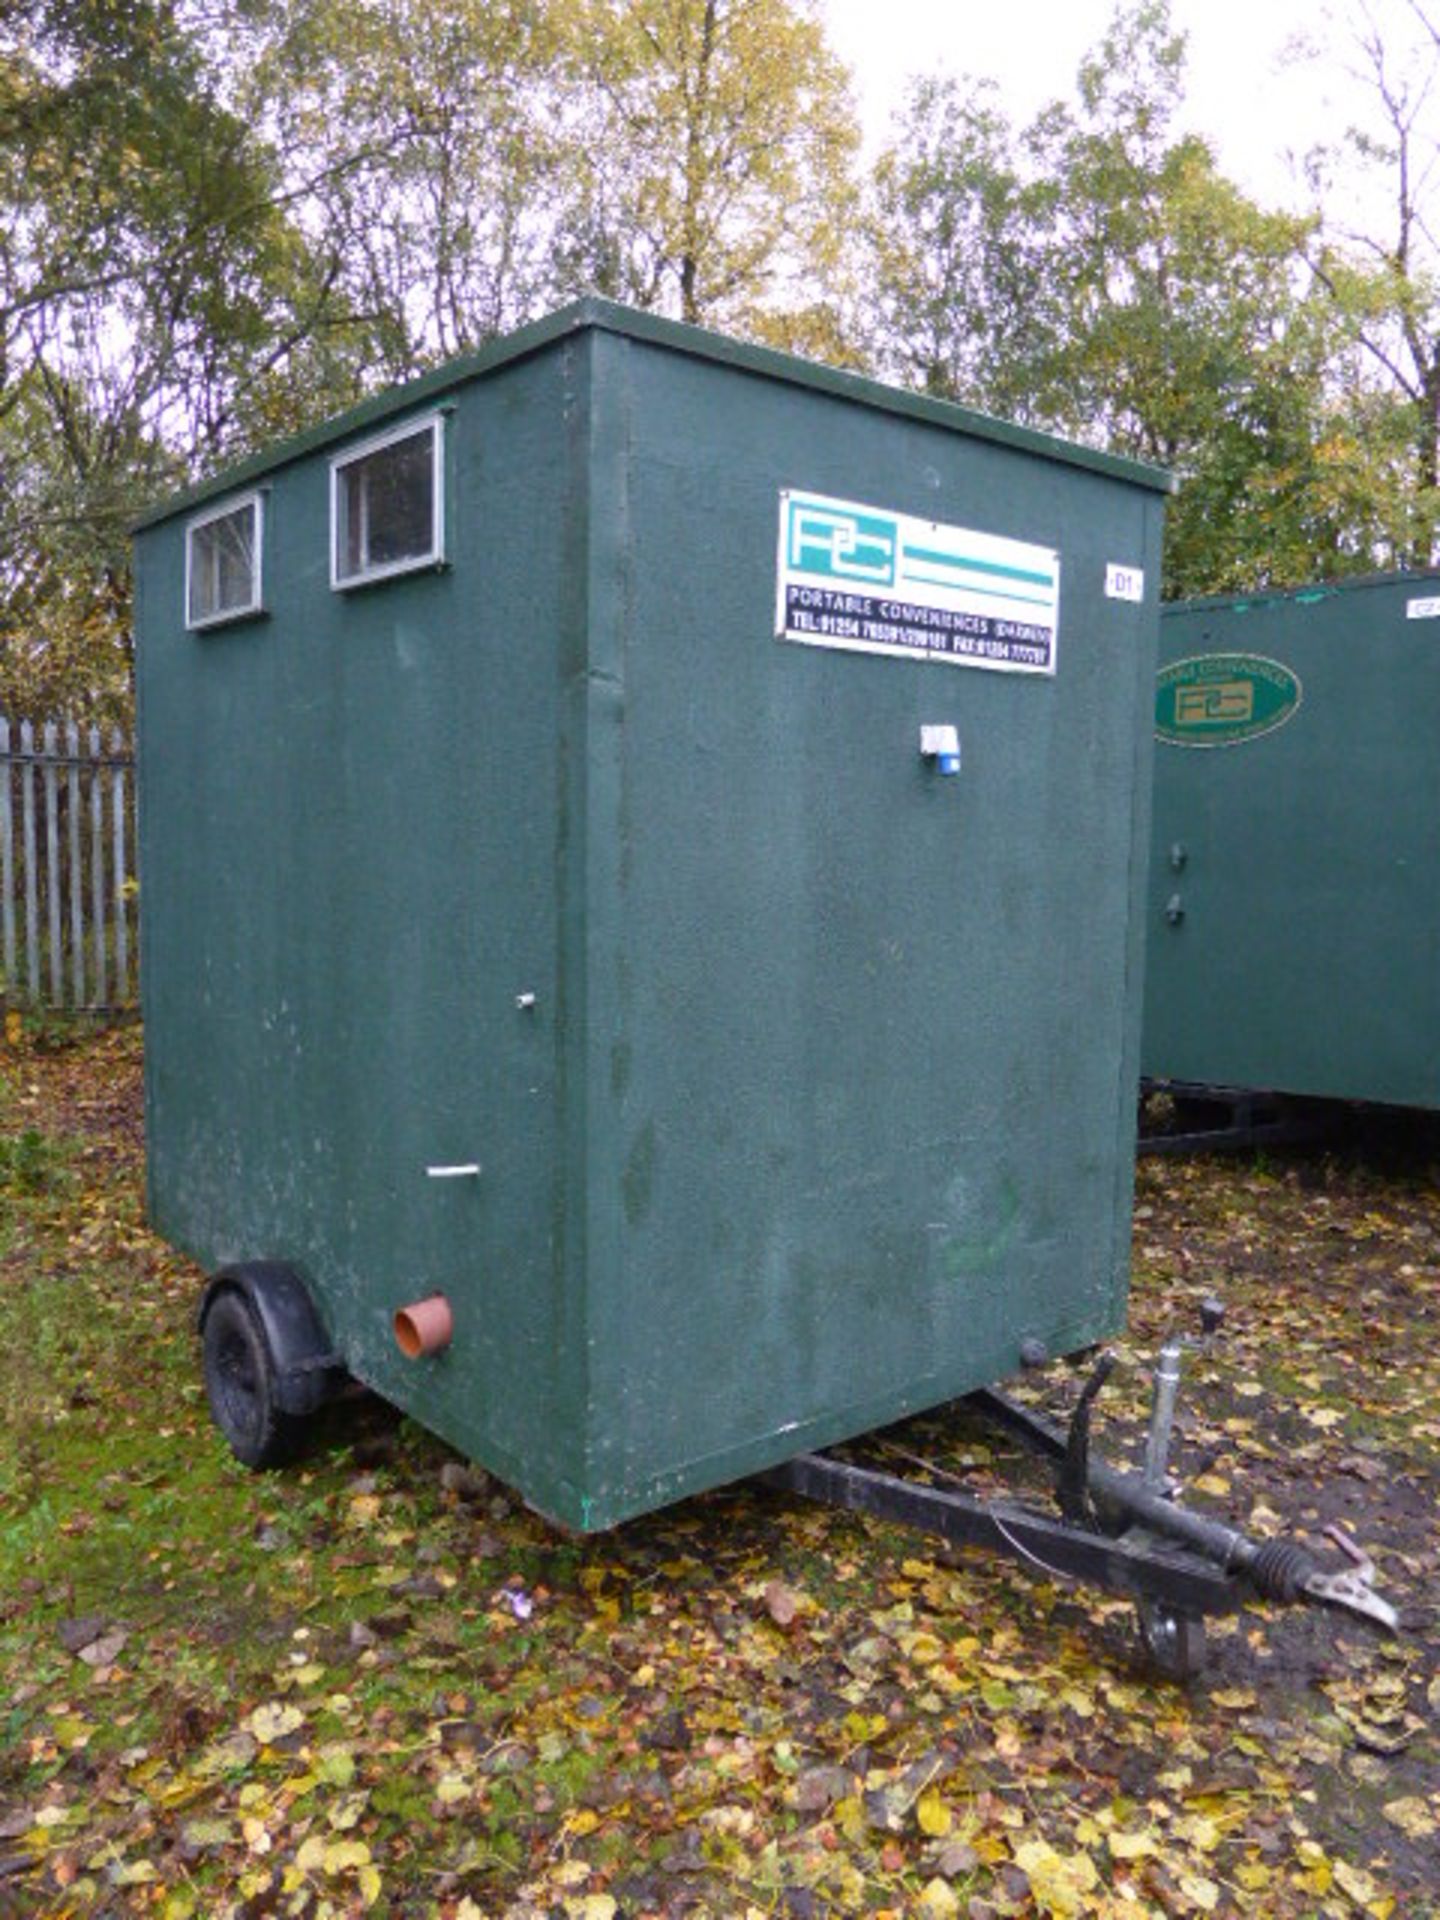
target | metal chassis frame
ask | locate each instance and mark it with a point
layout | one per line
(1246, 1117)
(1189, 1577)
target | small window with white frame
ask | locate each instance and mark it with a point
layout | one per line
(387, 504)
(224, 551)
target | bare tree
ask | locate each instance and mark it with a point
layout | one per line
(1377, 250)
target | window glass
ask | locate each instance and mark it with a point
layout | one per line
(223, 564)
(387, 507)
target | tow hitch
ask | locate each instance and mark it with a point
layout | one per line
(1117, 1529)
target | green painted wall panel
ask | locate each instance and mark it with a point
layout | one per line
(825, 1104)
(1308, 956)
(350, 827)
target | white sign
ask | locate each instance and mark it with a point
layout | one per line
(1124, 583)
(870, 581)
(1422, 609)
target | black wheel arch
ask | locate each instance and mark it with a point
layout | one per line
(307, 1370)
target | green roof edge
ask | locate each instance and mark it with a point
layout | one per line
(610, 317)
(1313, 590)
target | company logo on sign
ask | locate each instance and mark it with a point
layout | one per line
(861, 579)
(841, 545)
(1222, 699)
(1226, 703)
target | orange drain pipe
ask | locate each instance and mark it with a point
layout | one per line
(425, 1326)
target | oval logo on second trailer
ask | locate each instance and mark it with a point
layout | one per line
(1221, 699)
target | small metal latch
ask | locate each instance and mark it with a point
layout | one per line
(1175, 910)
(1178, 856)
(470, 1171)
(942, 745)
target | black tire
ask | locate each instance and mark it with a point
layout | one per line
(1174, 1642)
(240, 1385)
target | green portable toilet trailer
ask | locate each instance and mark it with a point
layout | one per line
(1294, 911)
(642, 850)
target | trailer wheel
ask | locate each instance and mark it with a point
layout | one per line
(1174, 1642)
(241, 1384)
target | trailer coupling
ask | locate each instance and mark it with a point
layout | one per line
(1117, 1529)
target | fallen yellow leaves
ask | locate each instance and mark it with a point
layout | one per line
(1059, 1883)
(1412, 1816)
(1132, 1846)
(738, 1700)
(592, 1906)
(273, 1722)
(1233, 1699)
(1215, 1484)
(1253, 1875)
(932, 1815)
(922, 1648)
(1202, 1893)
(335, 1859)
(1363, 1890)
(938, 1900)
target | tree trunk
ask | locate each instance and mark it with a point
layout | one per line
(695, 148)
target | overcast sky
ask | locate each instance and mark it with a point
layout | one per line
(1241, 92)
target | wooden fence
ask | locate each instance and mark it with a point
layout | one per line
(68, 936)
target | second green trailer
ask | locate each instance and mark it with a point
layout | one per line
(1293, 919)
